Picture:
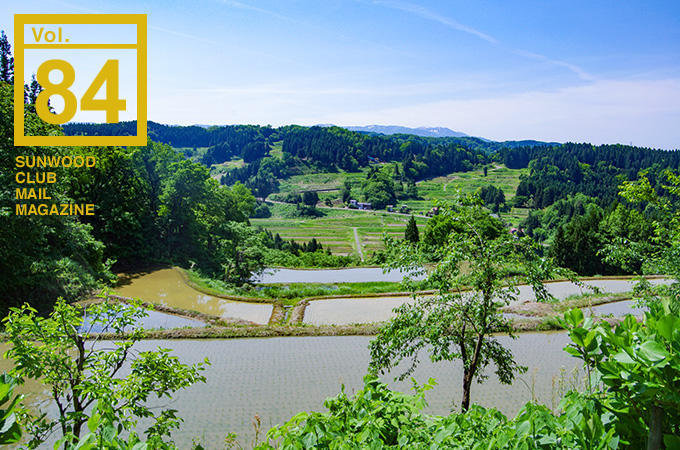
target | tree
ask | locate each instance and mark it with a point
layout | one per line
(378, 189)
(411, 233)
(454, 324)
(577, 244)
(6, 60)
(243, 252)
(346, 192)
(42, 257)
(310, 198)
(81, 372)
(664, 203)
(32, 90)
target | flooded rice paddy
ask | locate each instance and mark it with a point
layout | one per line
(278, 377)
(350, 275)
(616, 309)
(344, 311)
(153, 320)
(167, 287)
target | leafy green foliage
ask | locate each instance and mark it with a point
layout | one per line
(378, 418)
(457, 323)
(10, 431)
(104, 434)
(664, 255)
(378, 189)
(638, 365)
(81, 373)
(375, 415)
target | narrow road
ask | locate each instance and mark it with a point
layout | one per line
(356, 239)
(380, 211)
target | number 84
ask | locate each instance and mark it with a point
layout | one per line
(108, 74)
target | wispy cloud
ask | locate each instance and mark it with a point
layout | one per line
(268, 12)
(193, 37)
(428, 14)
(582, 74)
(431, 15)
(301, 87)
(157, 28)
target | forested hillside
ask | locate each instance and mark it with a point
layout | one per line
(596, 171)
(152, 205)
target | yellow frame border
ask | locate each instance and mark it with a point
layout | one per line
(20, 20)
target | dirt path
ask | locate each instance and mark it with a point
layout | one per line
(358, 242)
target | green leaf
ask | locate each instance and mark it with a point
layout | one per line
(623, 358)
(93, 422)
(666, 325)
(653, 351)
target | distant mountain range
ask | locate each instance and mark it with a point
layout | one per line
(209, 135)
(395, 129)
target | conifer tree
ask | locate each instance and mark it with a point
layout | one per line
(6, 60)
(411, 233)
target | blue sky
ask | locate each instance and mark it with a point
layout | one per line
(596, 71)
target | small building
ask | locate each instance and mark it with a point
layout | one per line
(353, 204)
(404, 209)
(364, 205)
(433, 211)
(390, 208)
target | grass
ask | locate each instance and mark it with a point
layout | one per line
(335, 230)
(276, 149)
(316, 181)
(288, 294)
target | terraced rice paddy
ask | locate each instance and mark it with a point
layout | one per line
(278, 377)
(167, 287)
(153, 320)
(336, 229)
(349, 275)
(344, 311)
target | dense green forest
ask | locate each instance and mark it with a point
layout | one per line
(152, 205)
(596, 171)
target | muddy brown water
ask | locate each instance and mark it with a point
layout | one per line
(278, 377)
(167, 287)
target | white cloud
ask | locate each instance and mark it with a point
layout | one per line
(645, 113)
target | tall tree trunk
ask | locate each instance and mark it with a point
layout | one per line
(654, 440)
